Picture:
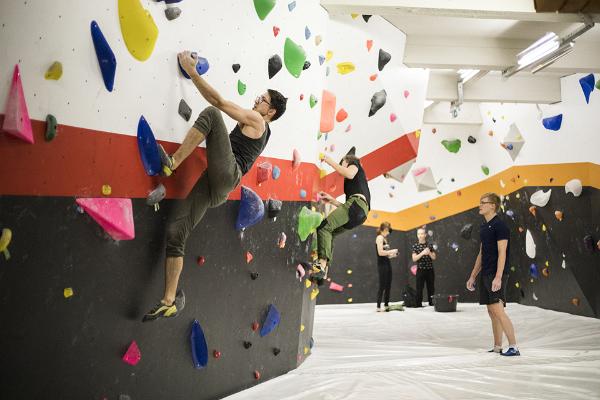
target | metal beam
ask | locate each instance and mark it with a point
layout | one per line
(541, 89)
(519, 10)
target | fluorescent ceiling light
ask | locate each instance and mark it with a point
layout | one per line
(466, 74)
(551, 58)
(541, 48)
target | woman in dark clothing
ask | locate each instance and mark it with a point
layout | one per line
(384, 266)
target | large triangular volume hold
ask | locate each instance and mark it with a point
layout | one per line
(271, 321)
(252, 209)
(148, 148)
(114, 215)
(16, 117)
(105, 55)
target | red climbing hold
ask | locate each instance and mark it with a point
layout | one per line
(255, 326)
(256, 375)
(216, 354)
(133, 354)
(249, 257)
(201, 260)
(275, 31)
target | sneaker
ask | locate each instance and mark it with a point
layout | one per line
(495, 350)
(511, 352)
(379, 309)
(166, 160)
(161, 310)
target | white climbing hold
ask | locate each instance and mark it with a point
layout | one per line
(574, 187)
(529, 245)
(540, 198)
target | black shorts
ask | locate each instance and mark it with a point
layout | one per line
(486, 296)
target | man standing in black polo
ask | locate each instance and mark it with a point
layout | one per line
(492, 261)
(423, 254)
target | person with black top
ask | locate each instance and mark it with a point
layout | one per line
(423, 254)
(229, 157)
(384, 266)
(492, 262)
(347, 215)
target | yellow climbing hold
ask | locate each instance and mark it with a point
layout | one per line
(54, 72)
(314, 293)
(138, 29)
(354, 15)
(543, 227)
(418, 133)
(106, 190)
(306, 350)
(5, 241)
(322, 173)
(517, 285)
(301, 327)
(68, 292)
(307, 283)
(350, 300)
(547, 263)
(349, 272)
(329, 55)
(344, 68)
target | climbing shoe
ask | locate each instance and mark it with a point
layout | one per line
(166, 160)
(316, 273)
(163, 311)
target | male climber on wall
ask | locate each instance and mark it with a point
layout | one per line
(229, 157)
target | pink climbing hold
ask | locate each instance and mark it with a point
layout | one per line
(133, 355)
(413, 270)
(296, 160)
(406, 94)
(419, 171)
(16, 116)
(348, 128)
(392, 117)
(275, 31)
(369, 44)
(264, 172)
(114, 215)
(335, 287)
(249, 257)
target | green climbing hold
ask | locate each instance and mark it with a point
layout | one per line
(453, 146)
(50, 127)
(313, 101)
(308, 221)
(241, 87)
(263, 8)
(293, 57)
(485, 170)
(598, 84)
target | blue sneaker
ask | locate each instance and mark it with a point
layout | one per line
(511, 352)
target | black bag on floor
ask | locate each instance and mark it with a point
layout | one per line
(409, 296)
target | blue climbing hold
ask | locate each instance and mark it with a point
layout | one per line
(587, 85)
(291, 6)
(533, 271)
(199, 348)
(321, 60)
(202, 67)
(553, 123)
(510, 213)
(306, 33)
(148, 148)
(252, 209)
(302, 193)
(509, 146)
(271, 321)
(106, 57)
(276, 172)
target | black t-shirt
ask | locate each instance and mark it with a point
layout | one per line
(490, 233)
(424, 262)
(358, 184)
(383, 260)
(246, 150)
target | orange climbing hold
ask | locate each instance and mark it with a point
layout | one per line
(533, 210)
(341, 115)
(369, 45)
(249, 257)
(558, 215)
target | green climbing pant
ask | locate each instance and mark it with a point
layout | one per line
(344, 218)
(221, 176)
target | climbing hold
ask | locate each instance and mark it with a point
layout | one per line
(533, 210)
(274, 65)
(574, 187)
(540, 198)
(336, 287)
(133, 355)
(249, 257)
(281, 240)
(296, 160)
(587, 86)
(156, 195)
(251, 209)
(241, 87)
(369, 44)
(553, 123)
(172, 13)
(300, 272)
(377, 101)
(184, 110)
(114, 215)
(321, 60)
(302, 193)
(510, 213)
(306, 65)
(265, 170)
(393, 117)
(294, 57)
(344, 68)
(200, 261)
(513, 141)
(5, 239)
(301, 327)
(254, 275)
(216, 354)
(529, 245)
(202, 66)
(424, 179)
(318, 40)
(588, 241)
(54, 72)
(533, 271)
(271, 321)
(471, 140)
(247, 344)
(454, 246)
(534, 296)
(138, 29)
(384, 58)
(291, 6)
(105, 55)
(276, 351)
(313, 101)
(575, 301)
(373, 77)
(148, 148)
(466, 231)
(199, 348)
(453, 146)
(327, 111)
(366, 17)
(341, 115)
(406, 94)
(257, 373)
(308, 221)
(255, 326)
(106, 190)
(67, 292)
(314, 293)
(263, 8)
(558, 215)
(485, 170)
(306, 33)
(16, 117)
(50, 127)
(274, 207)
(236, 68)
(413, 270)
(328, 55)
(517, 285)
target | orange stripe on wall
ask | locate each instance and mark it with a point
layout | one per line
(467, 198)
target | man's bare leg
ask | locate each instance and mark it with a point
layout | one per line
(496, 328)
(173, 268)
(192, 139)
(506, 323)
